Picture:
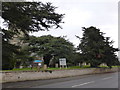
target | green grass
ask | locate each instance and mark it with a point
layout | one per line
(17, 69)
(107, 66)
(53, 68)
(72, 67)
(115, 66)
(22, 69)
(78, 67)
(68, 68)
(35, 69)
(103, 66)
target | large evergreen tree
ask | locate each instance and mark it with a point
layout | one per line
(25, 17)
(96, 49)
(30, 16)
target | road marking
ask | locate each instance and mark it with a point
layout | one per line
(83, 84)
(106, 78)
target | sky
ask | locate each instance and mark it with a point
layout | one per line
(102, 14)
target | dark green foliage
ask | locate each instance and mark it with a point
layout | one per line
(25, 17)
(8, 50)
(78, 58)
(50, 46)
(23, 57)
(109, 56)
(30, 16)
(97, 49)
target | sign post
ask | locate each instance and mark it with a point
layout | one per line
(62, 62)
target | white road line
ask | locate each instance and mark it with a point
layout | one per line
(106, 78)
(83, 84)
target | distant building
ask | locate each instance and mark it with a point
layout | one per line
(17, 39)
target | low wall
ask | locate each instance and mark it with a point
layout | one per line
(23, 76)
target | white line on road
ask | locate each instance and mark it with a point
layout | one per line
(106, 78)
(83, 84)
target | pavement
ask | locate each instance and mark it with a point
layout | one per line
(106, 80)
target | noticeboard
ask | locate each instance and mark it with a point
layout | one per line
(62, 61)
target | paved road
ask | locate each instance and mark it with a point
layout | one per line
(108, 80)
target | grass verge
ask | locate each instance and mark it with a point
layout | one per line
(72, 67)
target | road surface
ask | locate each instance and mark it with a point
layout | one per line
(107, 80)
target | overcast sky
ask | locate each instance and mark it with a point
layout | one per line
(102, 14)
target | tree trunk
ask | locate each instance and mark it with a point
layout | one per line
(51, 61)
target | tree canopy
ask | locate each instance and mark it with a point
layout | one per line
(30, 16)
(49, 46)
(96, 48)
(25, 17)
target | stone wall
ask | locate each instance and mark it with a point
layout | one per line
(23, 76)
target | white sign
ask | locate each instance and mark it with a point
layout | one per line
(62, 61)
(39, 64)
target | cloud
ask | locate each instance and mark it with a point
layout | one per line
(102, 14)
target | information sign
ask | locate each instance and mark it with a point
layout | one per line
(62, 61)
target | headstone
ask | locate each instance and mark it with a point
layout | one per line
(45, 66)
(21, 67)
(84, 63)
(56, 65)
